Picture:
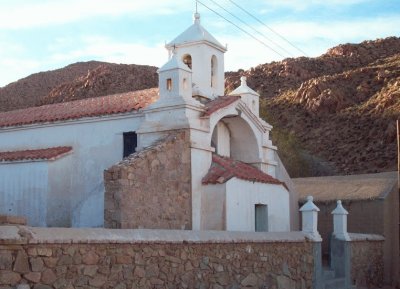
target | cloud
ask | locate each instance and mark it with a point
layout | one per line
(19, 14)
(311, 37)
(105, 49)
(13, 69)
(303, 5)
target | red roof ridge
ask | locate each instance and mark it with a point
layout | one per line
(224, 168)
(89, 107)
(51, 153)
(218, 103)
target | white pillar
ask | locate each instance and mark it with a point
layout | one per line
(309, 215)
(340, 222)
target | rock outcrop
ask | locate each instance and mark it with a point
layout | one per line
(341, 107)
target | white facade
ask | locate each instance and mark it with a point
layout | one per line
(97, 144)
(23, 191)
(231, 206)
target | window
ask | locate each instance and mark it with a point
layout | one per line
(187, 59)
(261, 218)
(213, 71)
(169, 84)
(130, 143)
(185, 86)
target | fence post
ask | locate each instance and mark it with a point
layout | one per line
(309, 215)
(340, 222)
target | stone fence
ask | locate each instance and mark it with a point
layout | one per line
(44, 258)
(69, 258)
(367, 265)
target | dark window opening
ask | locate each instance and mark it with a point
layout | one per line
(130, 143)
(261, 218)
(169, 84)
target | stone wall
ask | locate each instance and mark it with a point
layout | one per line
(360, 220)
(367, 268)
(152, 188)
(57, 258)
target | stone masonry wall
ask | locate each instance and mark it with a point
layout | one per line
(367, 263)
(152, 188)
(46, 258)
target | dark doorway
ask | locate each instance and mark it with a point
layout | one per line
(261, 218)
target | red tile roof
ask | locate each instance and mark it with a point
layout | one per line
(223, 169)
(98, 106)
(38, 154)
(218, 103)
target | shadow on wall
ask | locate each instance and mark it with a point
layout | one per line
(90, 212)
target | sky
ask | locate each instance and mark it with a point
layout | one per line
(41, 35)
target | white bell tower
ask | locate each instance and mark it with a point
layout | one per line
(175, 81)
(204, 55)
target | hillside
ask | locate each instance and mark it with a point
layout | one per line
(76, 81)
(333, 114)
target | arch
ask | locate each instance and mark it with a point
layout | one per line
(214, 71)
(243, 144)
(187, 59)
(220, 139)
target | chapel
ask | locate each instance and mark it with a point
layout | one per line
(184, 156)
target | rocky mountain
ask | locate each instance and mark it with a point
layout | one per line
(76, 81)
(333, 114)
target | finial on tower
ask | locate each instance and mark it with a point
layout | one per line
(243, 81)
(196, 17)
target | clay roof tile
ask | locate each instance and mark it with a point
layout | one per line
(223, 169)
(218, 103)
(35, 154)
(91, 107)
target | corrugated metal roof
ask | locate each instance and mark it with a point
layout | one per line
(351, 187)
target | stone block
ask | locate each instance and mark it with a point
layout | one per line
(47, 252)
(98, 281)
(90, 258)
(251, 280)
(285, 282)
(6, 260)
(42, 286)
(48, 276)
(9, 277)
(33, 276)
(37, 264)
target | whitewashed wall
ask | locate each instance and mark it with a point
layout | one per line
(60, 195)
(241, 198)
(23, 190)
(213, 207)
(201, 68)
(97, 144)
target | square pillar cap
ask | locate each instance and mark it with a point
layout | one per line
(309, 206)
(339, 209)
